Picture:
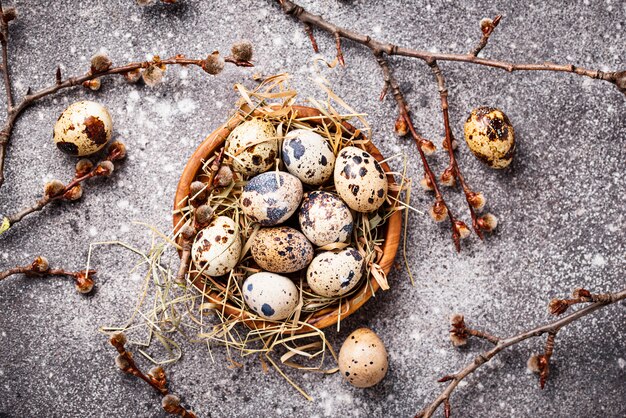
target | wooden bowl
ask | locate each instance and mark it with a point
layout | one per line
(329, 315)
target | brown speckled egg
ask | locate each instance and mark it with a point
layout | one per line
(83, 128)
(324, 218)
(271, 198)
(490, 136)
(308, 156)
(254, 146)
(363, 358)
(281, 249)
(359, 179)
(271, 296)
(217, 247)
(335, 273)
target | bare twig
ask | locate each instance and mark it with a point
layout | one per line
(41, 268)
(486, 26)
(551, 329)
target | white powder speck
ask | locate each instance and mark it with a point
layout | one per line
(598, 261)
(621, 363)
(376, 29)
(186, 106)
(93, 231)
(123, 204)
(124, 228)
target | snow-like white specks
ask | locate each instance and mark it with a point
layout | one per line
(598, 260)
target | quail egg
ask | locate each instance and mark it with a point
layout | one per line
(360, 180)
(281, 249)
(217, 247)
(271, 198)
(490, 136)
(335, 273)
(83, 128)
(308, 156)
(363, 358)
(324, 218)
(254, 146)
(270, 295)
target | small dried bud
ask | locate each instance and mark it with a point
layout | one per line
(455, 144)
(428, 147)
(223, 177)
(152, 75)
(620, 81)
(535, 363)
(462, 229)
(83, 167)
(214, 63)
(447, 177)
(158, 375)
(118, 339)
(93, 85)
(438, 211)
(5, 224)
(170, 403)
(198, 191)
(122, 362)
(53, 188)
(203, 214)
(458, 332)
(477, 200)
(558, 306)
(427, 184)
(40, 265)
(116, 151)
(104, 168)
(401, 127)
(100, 63)
(242, 50)
(74, 193)
(132, 76)
(457, 320)
(84, 283)
(488, 222)
(486, 25)
(187, 232)
(581, 293)
(9, 14)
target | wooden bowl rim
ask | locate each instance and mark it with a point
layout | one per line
(327, 316)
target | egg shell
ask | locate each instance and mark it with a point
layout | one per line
(270, 295)
(335, 273)
(83, 128)
(324, 218)
(490, 136)
(307, 155)
(360, 180)
(363, 358)
(217, 247)
(254, 146)
(271, 198)
(281, 249)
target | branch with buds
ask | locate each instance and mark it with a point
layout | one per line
(539, 363)
(382, 50)
(41, 268)
(55, 190)
(155, 377)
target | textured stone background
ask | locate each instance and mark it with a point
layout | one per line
(561, 206)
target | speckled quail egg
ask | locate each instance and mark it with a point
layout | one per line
(324, 218)
(360, 180)
(363, 358)
(308, 156)
(281, 249)
(335, 273)
(490, 136)
(217, 247)
(270, 295)
(254, 146)
(271, 198)
(83, 128)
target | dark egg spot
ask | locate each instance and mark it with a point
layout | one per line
(362, 171)
(68, 148)
(250, 287)
(297, 147)
(380, 193)
(267, 310)
(357, 159)
(354, 189)
(94, 128)
(323, 160)
(246, 202)
(256, 159)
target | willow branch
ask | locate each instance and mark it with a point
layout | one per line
(487, 26)
(551, 328)
(41, 268)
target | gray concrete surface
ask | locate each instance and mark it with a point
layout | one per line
(561, 206)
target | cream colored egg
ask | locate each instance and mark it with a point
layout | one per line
(490, 136)
(363, 358)
(281, 249)
(84, 128)
(271, 198)
(217, 247)
(360, 180)
(335, 273)
(254, 146)
(308, 156)
(324, 218)
(270, 295)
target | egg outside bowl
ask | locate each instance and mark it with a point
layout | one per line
(324, 317)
